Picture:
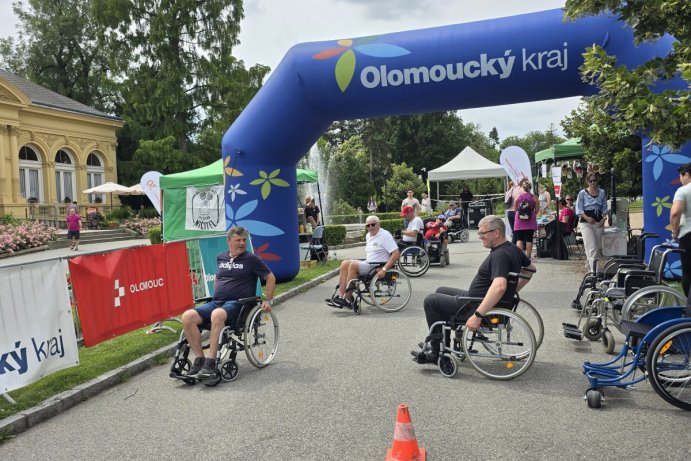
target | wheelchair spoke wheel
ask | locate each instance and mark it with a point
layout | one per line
(413, 261)
(229, 370)
(392, 292)
(649, 298)
(447, 365)
(504, 346)
(534, 319)
(668, 365)
(261, 337)
(465, 235)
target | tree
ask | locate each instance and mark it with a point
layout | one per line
(348, 174)
(160, 155)
(402, 179)
(178, 63)
(629, 96)
(57, 48)
(494, 136)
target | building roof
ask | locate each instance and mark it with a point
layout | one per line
(44, 97)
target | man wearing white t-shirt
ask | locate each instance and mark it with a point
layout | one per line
(411, 202)
(416, 227)
(380, 250)
(680, 221)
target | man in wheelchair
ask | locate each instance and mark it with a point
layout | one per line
(490, 283)
(414, 230)
(236, 278)
(380, 249)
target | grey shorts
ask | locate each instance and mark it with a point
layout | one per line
(364, 268)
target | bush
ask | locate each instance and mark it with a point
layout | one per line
(155, 235)
(9, 219)
(341, 207)
(140, 225)
(119, 214)
(334, 235)
(148, 213)
(28, 235)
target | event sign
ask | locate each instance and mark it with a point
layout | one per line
(151, 187)
(123, 290)
(38, 336)
(556, 180)
(205, 209)
(516, 164)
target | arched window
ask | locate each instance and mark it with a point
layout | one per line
(30, 177)
(64, 176)
(95, 172)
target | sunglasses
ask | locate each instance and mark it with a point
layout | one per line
(592, 181)
(372, 224)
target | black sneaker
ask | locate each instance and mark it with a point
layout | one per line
(423, 357)
(208, 370)
(332, 301)
(196, 367)
(344, 302)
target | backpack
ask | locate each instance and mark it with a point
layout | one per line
(524, 210)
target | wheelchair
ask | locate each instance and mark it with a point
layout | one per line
(503, 348)
(255, 332)
(390, 293)
(459, 230)
(632, 290)
(414, 261)
(657, 347)
(438, 255)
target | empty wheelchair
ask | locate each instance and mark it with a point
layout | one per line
(389, 293)
(459, 231)
(657, 347)
(255, 332)
(503, 348)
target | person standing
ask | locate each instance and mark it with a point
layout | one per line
(680, 221)
(465, 198)
(425, 204)
(74, 224)
(591, 207)
(525, 223)
(515, 190)
(371, 205)
(411, 201)
(545, 200)
(312, 212)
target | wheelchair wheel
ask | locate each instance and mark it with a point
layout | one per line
(229, 370)
(669, 366)
(392, 292)
(593, 329)
(608, 341)
(465, 235)
(594, 398)
(447, 365)
(534, 319)
(261, 337)
(180, 368)
(413, 261)
(649, 298)
(447, 257)
(504, 346)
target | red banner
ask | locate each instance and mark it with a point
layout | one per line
(127, 289)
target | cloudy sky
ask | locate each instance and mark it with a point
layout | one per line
(271, 27)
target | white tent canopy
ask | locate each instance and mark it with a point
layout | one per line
(467, 165)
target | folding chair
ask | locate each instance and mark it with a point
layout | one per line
(316, 246)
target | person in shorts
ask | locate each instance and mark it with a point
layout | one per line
(74, 224)
(380, 250)
(237, 272)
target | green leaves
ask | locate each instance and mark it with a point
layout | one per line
(266, 180)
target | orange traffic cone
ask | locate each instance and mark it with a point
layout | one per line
(404, 447)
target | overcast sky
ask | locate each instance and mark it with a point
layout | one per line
(271, 27)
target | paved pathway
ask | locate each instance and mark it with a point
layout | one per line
(333, 391)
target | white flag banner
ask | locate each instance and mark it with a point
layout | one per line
(37, 334)
(150, 183)
(205, 209)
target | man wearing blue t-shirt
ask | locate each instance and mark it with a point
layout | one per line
(236, 278)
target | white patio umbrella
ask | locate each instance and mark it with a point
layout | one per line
(136, 190)
(109, 188)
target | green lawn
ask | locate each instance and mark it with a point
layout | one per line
(116, 352)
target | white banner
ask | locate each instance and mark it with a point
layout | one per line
(516, 164)
(150, 183)
(556, 175)
(205, 209)
(37, 335)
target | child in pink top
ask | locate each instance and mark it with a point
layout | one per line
(74, 224)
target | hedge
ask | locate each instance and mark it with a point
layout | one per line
(155, 235)
(334, 235)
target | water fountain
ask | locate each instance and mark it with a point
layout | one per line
(320, 189)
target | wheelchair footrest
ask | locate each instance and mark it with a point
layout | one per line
(571, 331)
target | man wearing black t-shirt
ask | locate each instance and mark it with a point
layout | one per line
(490, 283)
(237, 272)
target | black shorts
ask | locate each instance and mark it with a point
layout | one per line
(524, 235)
(72, 234)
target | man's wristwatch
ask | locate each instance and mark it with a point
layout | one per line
(270, 301)
(477, 314)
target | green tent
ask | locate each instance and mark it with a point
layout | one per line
(568, 150)
(174, 190)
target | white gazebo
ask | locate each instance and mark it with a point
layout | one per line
(466, 165)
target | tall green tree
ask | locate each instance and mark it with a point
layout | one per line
(348, 174)
(177, 63)
(57, 48)
(402, 179)
(629, 96)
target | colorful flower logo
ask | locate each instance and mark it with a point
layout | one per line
(673, 270)
(266, 180)
(265, 255)
(230, 171)
(661, 203)
(345, 66)
(236, 218)
(234, 190)
(660, 154)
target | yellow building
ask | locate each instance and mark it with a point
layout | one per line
(51, 149)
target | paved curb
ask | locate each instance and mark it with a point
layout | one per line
(55, 405)
(24, 252)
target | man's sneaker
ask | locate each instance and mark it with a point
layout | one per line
(196, 367)
(208, 370)
(344, 302)
(423, 357)
(332, 301)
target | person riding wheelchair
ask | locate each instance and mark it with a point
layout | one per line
(237, 271)
(414, 260)
(495, 284)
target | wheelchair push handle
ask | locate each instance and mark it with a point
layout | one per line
(516, 275)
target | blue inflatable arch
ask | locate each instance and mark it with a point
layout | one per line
(501, 61)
